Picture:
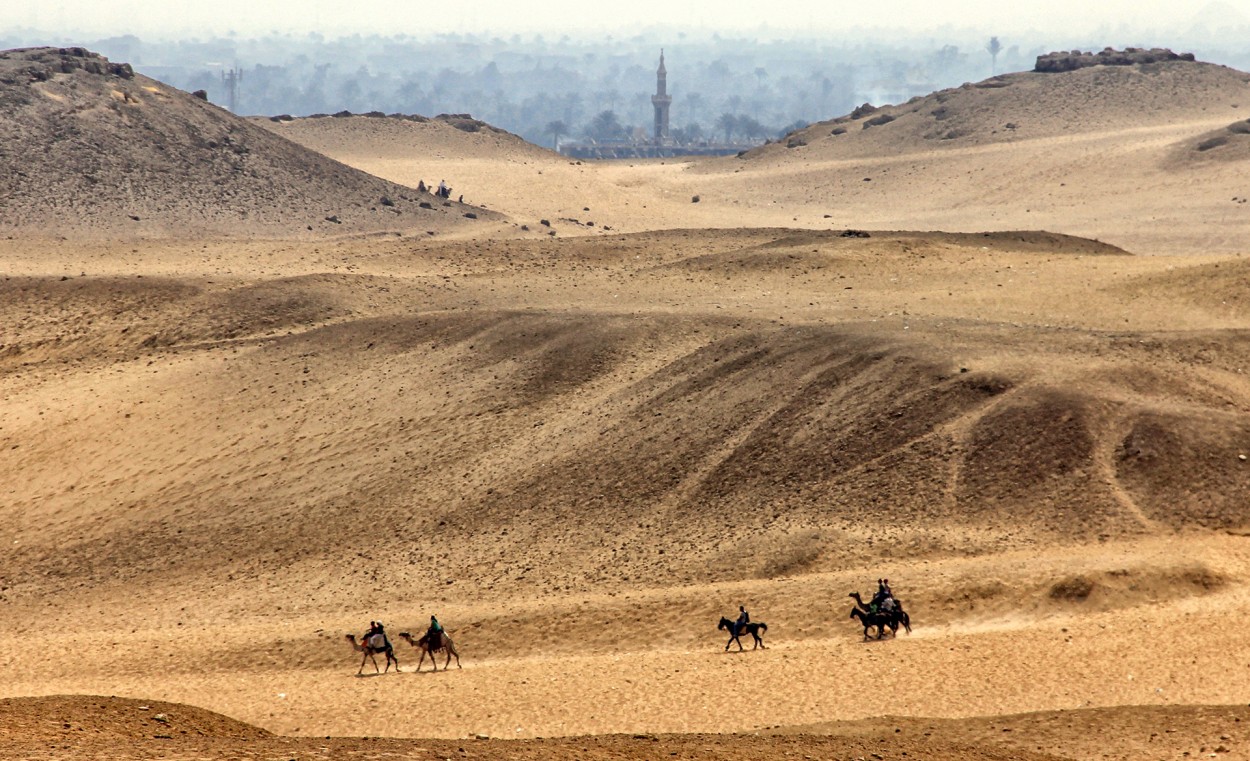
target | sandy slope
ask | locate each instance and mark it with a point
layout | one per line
(580, 450)
(579, 453)
(1108, 153)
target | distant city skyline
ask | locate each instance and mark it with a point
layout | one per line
(159, 18)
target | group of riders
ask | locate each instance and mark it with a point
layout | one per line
(883, 603)
(376, 637)
(442, 191)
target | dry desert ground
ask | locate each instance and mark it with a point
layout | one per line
(235, 430)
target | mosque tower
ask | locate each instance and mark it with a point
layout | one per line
(661, 101)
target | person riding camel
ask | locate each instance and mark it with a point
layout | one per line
(883, 594)
(434, 633)
(376, 629)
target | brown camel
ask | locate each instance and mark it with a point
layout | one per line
(370, 650)
(430, 645)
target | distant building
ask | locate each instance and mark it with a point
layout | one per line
(660, 144)
(661, 101)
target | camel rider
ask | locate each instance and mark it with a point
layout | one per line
(380, 630)
(434, 633)
(744, 618)
(883, 593)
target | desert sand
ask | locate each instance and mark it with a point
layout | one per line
(1005, 371)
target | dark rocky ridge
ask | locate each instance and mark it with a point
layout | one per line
(1071, 61)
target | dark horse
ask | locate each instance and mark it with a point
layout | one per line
(752, 628)
(881, 620)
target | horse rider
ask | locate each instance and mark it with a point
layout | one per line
(744, 618)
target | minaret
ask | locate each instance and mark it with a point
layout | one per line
(661, 100)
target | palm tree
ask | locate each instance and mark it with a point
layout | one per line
(750, 127)
(994, 48)
(728, 124)
(605, 126)
(556, 129)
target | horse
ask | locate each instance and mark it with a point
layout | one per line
(371, 645)
(881, 620)
(429, 647)
(752, 628)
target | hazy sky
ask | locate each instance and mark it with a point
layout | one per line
(419, 17)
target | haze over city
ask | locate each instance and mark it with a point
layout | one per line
(157, 18)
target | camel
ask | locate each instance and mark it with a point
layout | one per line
(897, 617)
(429, 647)
(371, 649)
(752, 628)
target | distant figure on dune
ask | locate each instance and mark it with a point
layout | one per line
(421, 188)
(443, 190)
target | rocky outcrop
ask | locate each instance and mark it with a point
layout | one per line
(1051, 63)
(40, 64)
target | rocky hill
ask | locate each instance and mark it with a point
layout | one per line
(89, 148)
(1067, 94)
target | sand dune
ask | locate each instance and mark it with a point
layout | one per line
(580, 450)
